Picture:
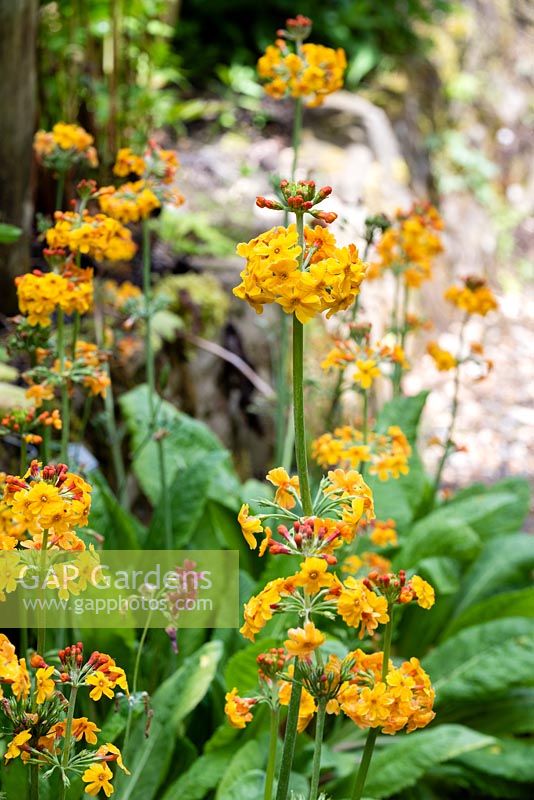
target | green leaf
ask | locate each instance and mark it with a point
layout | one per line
(404, 412)
(201, 777)
(443, 574)
(242, 668)
(482, 513)
(247, 757)
(505, 562)
(482, 660)
(188, 495)
(519, 603)
(9, 233)
(149, 758)
(408, 758)
(446, 539)
(511, 714)
(121, 530)
(506, 758)
(249, 786)
(188, 440)
(511, 516)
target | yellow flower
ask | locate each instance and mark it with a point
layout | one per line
(287, 487)
(443, 360)
(131, 202)
(14, 748)
(312, 74)
(359, 606)
(98, 777)
(83, 727)
(366, 372)
(108, 752)
(39, 392)
(260, 608)
(424, 593)
(384, 533)
(44, 684)
(101, 685)
(237, 709)
(313, 575)
(307, 707)
(128, 162)
(474, 297)
(303, 641)
(249, 526)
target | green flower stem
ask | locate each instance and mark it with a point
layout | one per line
(367, 754)
(454, 409)
(298, 396)
(365, 427)
(151, 381)
(398, 371)
(297, 130)
(75, 332)
(319, 733)
(67, 741)
(34, 782)
(65, 404)
(137, 666)
(271, 759)
(111, 423)
(41, 632)
(289, 742)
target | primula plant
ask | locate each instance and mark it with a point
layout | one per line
(379, 643)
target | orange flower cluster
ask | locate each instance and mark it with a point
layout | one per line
(40, 294)
(443, 359)
(410, 245)
(369, 361)
(323, 277)
(404, 700)
(311, 73)
(24, 421)
(49, 499)
(95, 235)
(474, 297)
(64, 145)
(387, 453)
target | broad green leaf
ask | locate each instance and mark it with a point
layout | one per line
(187, 442)
(511, 516)
(442, 572)
(479, 512)
(188, 495)
(248, 757)
(404, 412)
(512, 759)
(459, 780)
(504, 563)
(446, 539)
(242, 668)
(482, 660)
(121, 530)
(508, 715)
(518, 603)
(249, 786)
(201, 777)
(149, 757)
(407, 758)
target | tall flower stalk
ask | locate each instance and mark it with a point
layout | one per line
(157, 435)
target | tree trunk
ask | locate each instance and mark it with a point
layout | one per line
(18, 26)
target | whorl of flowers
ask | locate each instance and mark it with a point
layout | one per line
(410, 245)
(305, 278)
(25, 421)
(474, 297)
(342, 503)
(131, 202)
(403, 699)
(49, 499)
(369, 361)
(96, 235)
(64, 146)
(307, 71)
(387, 453)
(44, 730)
(40, 294)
